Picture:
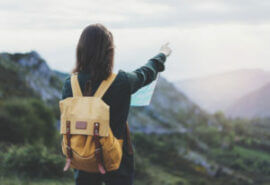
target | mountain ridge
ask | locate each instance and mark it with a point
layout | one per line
(35, 73)
(219, 91)
(252, 105)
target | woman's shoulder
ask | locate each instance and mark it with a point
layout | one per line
(66, 90)
(67, 82)
(67, 79)
(121, 77)
(121, 82)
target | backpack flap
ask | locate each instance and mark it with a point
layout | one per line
(86, 127)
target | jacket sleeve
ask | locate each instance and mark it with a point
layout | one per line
(147, 73)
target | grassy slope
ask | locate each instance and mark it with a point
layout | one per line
(159, 162)
(14, 180)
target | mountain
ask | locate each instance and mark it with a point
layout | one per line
(164, 114)
(176, 142)
(27, 75)
(218, 92)
(254, 104)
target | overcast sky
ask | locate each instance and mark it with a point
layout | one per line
(207, 36)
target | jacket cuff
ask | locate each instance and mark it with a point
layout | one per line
(160, 57)
(158, 61)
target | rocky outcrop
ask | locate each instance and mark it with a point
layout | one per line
(36, 73)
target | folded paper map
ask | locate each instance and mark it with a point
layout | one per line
(144, 95)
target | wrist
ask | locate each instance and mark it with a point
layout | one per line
(162, 56)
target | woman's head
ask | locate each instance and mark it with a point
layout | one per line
(95, 52)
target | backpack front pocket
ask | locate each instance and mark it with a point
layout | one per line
(112, 157)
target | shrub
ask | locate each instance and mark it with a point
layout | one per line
(33, 161)
(26, 121)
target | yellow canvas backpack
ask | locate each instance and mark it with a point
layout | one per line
(88, 142)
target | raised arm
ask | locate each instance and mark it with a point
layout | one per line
(148, 72)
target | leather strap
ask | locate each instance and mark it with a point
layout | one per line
(98, 149)
(104, 86)
(69, 151)
(75, 86)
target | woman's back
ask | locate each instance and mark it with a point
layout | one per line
(118, 97)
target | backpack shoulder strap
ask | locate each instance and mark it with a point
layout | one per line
(75, 86)
(104, 86)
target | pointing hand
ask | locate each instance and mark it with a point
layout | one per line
(165, 49)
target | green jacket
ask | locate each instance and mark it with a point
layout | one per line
(118, 98)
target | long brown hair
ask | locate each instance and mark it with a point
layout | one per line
(95, 54)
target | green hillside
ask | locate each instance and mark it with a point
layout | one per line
(176, 142)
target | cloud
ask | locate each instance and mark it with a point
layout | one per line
(72, 14)
(62, 14)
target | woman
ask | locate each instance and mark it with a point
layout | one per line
(95, 59)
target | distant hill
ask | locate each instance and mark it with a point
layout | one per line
(166, 111)
(218, 92)
(254, 104)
